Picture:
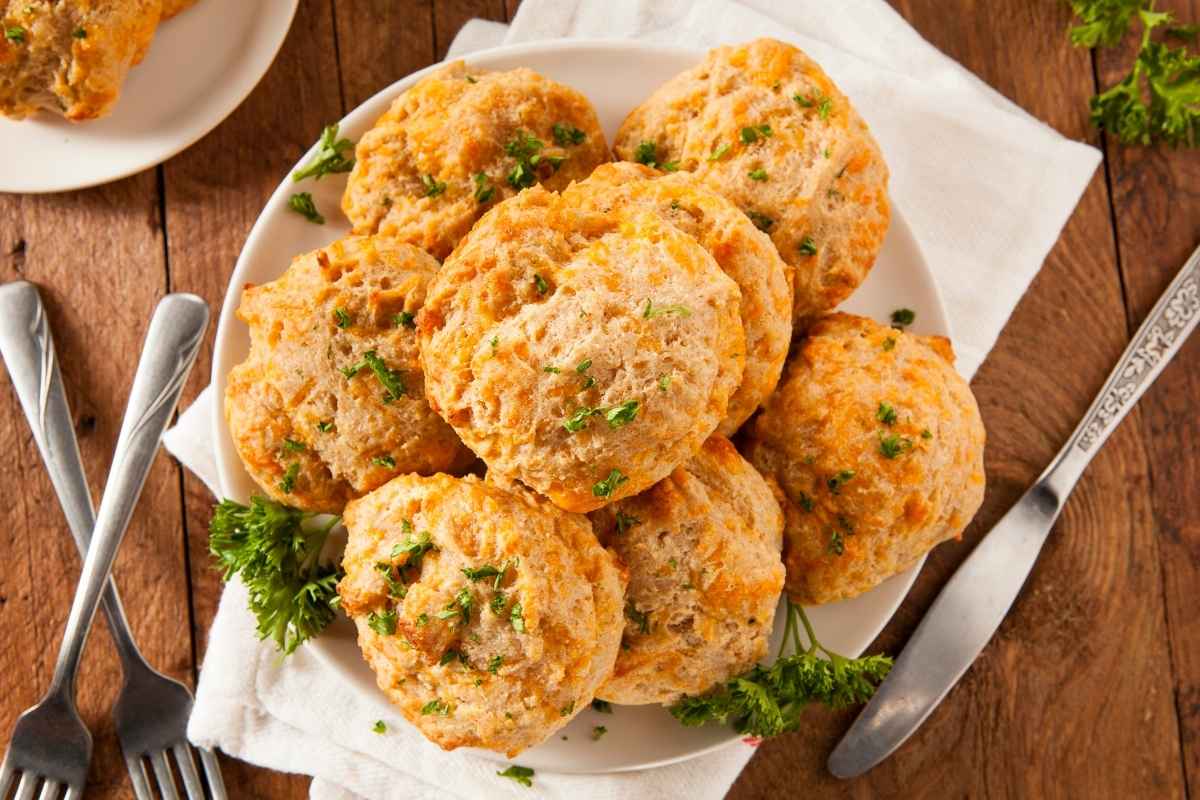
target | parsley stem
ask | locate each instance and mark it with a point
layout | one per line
(314, 556)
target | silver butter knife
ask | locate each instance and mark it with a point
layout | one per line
(977, 597)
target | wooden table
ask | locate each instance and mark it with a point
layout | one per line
(1090, 689)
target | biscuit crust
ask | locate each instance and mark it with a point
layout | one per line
(539, 351)
(501, 630)
(291, 405)
(742, 251)
(877, 446)
(413, 181)
(763, 124)
(702, 547)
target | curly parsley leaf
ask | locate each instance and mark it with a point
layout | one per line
(1159, 99)
(276, 550)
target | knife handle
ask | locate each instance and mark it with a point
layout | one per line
(1156, 342)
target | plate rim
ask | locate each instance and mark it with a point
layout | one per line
(183, 143)
(226, 317)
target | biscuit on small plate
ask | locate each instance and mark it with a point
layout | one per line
(488, 615)
(877, 445)
(330, 403)
(70, 57)
(583, 353)
(462, 140)
(764, 125)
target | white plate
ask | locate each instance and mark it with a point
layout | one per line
(200, 67)
(616, 76)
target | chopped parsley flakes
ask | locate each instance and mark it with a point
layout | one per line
(384, 624)
(886, 414)
(330, 157)
(566, 134)
(807, 246)
(759, 174)
(522, 775)
(760, 220)
(891, 445)
(405, 319)
(839, 480)
(436, 706)
(606, 487)
(750, 135)
(625, 521)
(289, 478)
(433, 187)
(302, 203)
(342, 318)
(484, 191)
(379, 727)
(384, 461)
(903, 317)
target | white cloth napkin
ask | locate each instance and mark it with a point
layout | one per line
(986, 189)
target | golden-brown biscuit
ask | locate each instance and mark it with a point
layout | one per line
(461, 140)
(330, 402)
(763, 124)
(71, 56)
(488, 615)
(877, 445)
(539, 350)
(744, 253)
(702, 550)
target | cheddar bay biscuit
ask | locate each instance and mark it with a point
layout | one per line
(540, 350)
(763, 124)
(462, 140)
(877, 445)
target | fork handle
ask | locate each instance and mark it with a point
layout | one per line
(172, 342)
(27, 348)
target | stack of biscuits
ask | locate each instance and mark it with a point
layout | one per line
(583, 455)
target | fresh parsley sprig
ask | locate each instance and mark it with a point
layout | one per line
(767, 701)
(1159, 99)
(276, 550)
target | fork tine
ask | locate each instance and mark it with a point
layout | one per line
(74, 793)
(212, 771)
(162, 771)
(26, 786)
(187, 771)
(6, 776)
(49, 790)
(138, 777)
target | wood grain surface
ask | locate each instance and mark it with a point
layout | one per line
(1092, 686)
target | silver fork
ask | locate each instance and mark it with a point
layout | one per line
(51, 746)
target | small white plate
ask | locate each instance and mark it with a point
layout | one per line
(616, 76)
(200, 67)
